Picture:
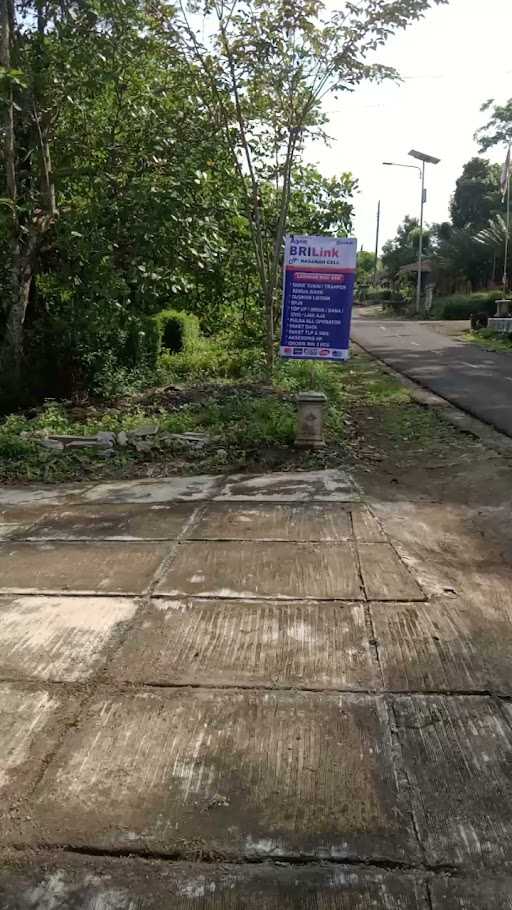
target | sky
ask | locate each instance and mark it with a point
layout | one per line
(451, 62)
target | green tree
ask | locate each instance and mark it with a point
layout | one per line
(477, 195)
(29, 189)
(120, 192)
(141, 170)
(365, 267)
(403, 249)
(490, 242)
(269, 65)
(498, 128)
(320, 205)
(457, 256)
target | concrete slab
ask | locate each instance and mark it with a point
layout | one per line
(293, 486)
(471, 894)
(365, 525)
(63, 639)
(169, 489)
(113, 522)
(449, 546)
(256, 569)
(88, 568)
(227, 774)
(312, 521)
(445, 644)
(385, 576)
(219, 643)
(51, 494)
(73, 883)
(30, 720)
(16, 520)
(457, 754)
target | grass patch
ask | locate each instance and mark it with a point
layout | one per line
(491, 341)
(249, 424)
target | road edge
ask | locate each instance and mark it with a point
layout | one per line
(491, 437)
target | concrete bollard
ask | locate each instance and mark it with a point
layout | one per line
(502, 308)
(310, 420)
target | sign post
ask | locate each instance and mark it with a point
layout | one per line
(318, 290)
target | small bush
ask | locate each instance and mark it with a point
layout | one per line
(397, 303)
(212, 359)
(378, 295)
(178, 332)
(461, 306)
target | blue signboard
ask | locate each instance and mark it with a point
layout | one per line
(319, 275)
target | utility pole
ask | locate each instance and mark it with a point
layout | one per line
(507, 239)
(425, 159)
(421, 156)
(420, 245)
(377, 232)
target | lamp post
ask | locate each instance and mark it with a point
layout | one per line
(425, 159)
(374, 282)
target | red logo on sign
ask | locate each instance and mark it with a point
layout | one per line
(324, 352)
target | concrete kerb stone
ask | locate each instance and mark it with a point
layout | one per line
(181, 488)
(330, 485)
(50, 495)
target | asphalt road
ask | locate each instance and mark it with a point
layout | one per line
(476, 380)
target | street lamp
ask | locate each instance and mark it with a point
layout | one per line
(425, 159)
(396, 164)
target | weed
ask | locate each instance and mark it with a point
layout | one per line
(490, 340)
(369, 414)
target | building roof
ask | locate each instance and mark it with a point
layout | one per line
(426, 266)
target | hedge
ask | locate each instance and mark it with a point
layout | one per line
(177, 331)
(460, 306)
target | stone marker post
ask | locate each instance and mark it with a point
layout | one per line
(502, 308)
(310, 419)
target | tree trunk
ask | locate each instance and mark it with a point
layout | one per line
(12, 342)
(22, 272)
(12, 347)
(23, 245)
(269, 329)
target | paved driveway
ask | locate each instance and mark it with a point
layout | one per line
(476, 380)
(252, 692)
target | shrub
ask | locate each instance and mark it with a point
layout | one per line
(397, 303)
(211, 360)
(460, 306)
(378, 295)
(178, 332)
(142, 343)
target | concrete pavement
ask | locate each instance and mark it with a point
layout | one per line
(476, 380)
(253, 692)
